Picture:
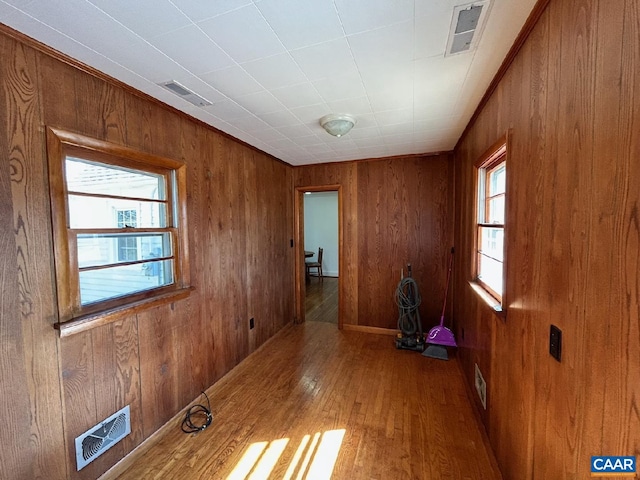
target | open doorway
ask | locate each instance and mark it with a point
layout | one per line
(321, 252)
(319, 225)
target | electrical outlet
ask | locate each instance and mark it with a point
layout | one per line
(252, 323)
(555, 342)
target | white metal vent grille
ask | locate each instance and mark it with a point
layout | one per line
(184, 92)
(481, 387)
(97, 440)
(466, 26)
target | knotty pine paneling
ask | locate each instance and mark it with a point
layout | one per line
(570, 102)
(240, 217)
(395, 211)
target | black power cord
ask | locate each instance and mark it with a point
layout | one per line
(189, 426)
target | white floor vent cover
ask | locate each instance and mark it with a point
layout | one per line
(481, 387)
(97, 440)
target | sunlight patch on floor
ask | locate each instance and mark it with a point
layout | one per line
(319, 454)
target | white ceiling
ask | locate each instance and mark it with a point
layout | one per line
(272, 68)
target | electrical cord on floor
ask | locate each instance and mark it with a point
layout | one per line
(189, 426)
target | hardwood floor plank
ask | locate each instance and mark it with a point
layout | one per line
(398, 414)
(321, 300)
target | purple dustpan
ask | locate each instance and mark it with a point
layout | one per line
(438, 338)
(441, 335)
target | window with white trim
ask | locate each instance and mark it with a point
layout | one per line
(491, 185)
(119, 229)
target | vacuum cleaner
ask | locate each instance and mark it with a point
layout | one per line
(440, 337)
(411, 336)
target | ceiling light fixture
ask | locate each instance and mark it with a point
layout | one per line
(337, 124)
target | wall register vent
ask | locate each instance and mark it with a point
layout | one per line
(466, 26)
(97, 440)
(185, 93)
(481, 386)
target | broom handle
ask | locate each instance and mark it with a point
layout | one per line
(446, 290)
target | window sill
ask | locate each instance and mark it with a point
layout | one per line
(489, 301)
(104, 317)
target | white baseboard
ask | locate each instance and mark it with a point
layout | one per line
(327, 273)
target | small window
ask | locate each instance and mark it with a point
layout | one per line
(127, 245)
(492, 174)
(119, 226)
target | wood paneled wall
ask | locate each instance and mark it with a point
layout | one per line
(571, 99)
(240, 216)
(395, 211)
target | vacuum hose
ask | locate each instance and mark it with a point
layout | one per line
(408, 300)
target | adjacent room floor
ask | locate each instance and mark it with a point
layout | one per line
(321, 300)
(317, 402)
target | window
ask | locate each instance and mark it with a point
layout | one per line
(127, 245)
(492, 173)
(119, 226)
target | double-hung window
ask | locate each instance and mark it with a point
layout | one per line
(491, 184)
(119, 226)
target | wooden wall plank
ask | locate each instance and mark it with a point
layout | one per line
(227, 269)
(160, 373)
(33, 256)
(13, 436)
(100, 375)
(263, 195)
(58, 88)
(77, 372)
(117, 376)
(571, 245)
(613, 321)
(199, 352)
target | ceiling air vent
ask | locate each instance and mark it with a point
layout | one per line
(185, 93)
(97, 440)
(466, 26)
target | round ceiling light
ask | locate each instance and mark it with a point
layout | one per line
(337, 125)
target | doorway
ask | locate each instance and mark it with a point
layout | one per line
(318, 217)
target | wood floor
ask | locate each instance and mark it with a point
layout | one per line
(317, 402)
(321, 300)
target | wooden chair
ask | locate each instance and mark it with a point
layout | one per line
(317, 265)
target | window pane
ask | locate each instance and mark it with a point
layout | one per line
(496, 210)
(497, 180)
(107, 283)
(126, 218)
(105, 249)
(492, 242)
(93, 177)
(491, 273)
(95, 212)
